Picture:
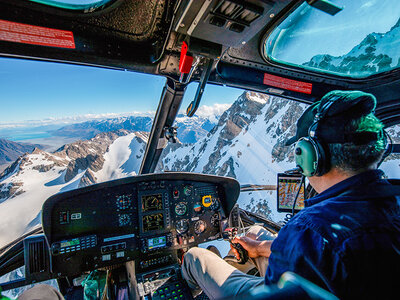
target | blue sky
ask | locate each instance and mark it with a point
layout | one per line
(36, 90)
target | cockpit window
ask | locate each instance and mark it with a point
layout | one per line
(65, 126)
(359, 41)
(82, 5)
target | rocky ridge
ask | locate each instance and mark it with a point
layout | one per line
(10, 151)
(374, 54)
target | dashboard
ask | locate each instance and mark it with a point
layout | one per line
(146, 218)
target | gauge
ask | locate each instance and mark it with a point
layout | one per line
(152, 202)
(182, 226)
(187, 190)
(180, 208)
(215, 220)
(199, 226)
(153, 222)
(124, 202)
(124, 220)
(197, 208)
(214, 204)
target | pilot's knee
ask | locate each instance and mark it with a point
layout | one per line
(192, 254)
(259, 233)
(41, 291)
(254, 231)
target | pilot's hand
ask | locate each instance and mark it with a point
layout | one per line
(254, 248)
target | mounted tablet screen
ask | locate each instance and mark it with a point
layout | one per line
(288, 186)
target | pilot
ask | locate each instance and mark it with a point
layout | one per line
(347, 238)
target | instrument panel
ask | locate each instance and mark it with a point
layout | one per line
(145, 217)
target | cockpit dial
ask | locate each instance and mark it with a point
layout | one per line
(152, 202)
(197, 207)
(215, 220)
(124, 202)
(180, 208)
(124, 220)
(188, 190)
(182, 226)
(214, 204)
(200, 226)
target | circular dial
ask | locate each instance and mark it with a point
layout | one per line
(197, 208)
(214, 204)
(180, 208)
(124, 202)
(182, 226)
(215, 220)
(124, 219)
(199, 226)
(187, 190)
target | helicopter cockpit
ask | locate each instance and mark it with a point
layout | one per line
(128, 236)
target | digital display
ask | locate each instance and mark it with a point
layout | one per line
(153, 222)
(152, 202)
(157, 242)
(70, 243)
(288, 187)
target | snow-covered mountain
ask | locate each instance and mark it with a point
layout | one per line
(189, 129)
(247, 144)
(32, 178)
(378, 52)
(89, 129)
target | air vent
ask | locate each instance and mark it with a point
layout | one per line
(241, 12)
(36, 257)
(37, 261)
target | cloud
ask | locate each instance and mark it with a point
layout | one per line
(203, 111)
(215, 110)
(71, 119)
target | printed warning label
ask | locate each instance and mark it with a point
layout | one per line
(36, 35)
(287, 84)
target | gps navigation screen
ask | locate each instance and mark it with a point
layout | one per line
(157, 242)
(288, 186)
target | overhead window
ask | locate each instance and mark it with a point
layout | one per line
(361, 40)
(84, 5)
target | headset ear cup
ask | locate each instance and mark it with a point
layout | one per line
(306, 156)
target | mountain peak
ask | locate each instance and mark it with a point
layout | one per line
(257, 97)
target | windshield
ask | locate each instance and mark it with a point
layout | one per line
(68, 126)
(359, 41)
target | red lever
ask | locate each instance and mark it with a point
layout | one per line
(185, 62)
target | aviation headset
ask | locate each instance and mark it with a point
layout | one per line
(311, 154)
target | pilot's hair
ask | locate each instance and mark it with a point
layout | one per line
(355, 158)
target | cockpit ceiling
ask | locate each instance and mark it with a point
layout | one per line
(147, 36)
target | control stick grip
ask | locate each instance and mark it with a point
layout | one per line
(243, 254)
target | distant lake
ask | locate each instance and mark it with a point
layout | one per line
(18, 137)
